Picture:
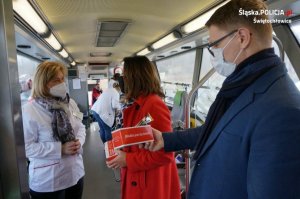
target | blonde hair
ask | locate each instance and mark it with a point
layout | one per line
(228, 17)
(45, 72)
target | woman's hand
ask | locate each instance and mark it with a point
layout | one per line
(78, 145)
(71, 148)
(119, 161)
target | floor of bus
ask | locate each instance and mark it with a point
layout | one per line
(99, 181)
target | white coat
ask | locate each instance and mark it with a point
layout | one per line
(107, 103)
(49, 170)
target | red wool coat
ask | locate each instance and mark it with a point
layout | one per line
(149, 175)
(95, 95)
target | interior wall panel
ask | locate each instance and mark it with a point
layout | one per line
(13, 173)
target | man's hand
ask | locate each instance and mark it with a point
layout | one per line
(71, 148)
(157, 144)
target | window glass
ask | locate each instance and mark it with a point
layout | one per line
(288, 65)
(26, 66)
(205, 64)
(26, 70)
(207, 94)
(295, 27)
(176, 73)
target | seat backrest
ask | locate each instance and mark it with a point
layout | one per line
(178, 109)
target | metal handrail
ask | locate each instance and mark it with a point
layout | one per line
(117, 175)
(187, 124)
(280, 46)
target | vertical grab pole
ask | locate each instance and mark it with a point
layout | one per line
(280, 46)
(187, 125)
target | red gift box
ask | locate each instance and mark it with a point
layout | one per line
(109, 150)
(131, 136)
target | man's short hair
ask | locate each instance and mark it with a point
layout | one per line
(232, 16)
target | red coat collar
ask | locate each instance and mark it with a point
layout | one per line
(141, 100)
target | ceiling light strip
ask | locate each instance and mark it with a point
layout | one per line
(143, 52)
(63, 53)
(164, 41)
(25, 10)
(52, 41)
(200, 21)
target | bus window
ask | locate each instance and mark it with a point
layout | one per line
(295, 27)
(288, 65)
(205, 63)
(176, 73)
(207, 94)
(26, 65)
(26, 70)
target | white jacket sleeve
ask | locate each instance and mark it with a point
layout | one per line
(80, 132)
(116, 101)
(79, 128)
(34, 149)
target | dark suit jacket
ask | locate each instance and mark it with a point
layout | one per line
(254, 150)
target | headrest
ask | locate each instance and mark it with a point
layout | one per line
(177, 98)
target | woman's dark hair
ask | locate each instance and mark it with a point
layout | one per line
(141, 77)
(117, 77)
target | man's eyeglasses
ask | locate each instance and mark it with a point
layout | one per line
(218, 41)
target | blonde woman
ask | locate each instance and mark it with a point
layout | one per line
(54, 136)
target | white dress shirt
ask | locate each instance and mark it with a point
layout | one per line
(49, 170)
(106, 105)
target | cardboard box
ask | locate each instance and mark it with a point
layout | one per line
(131, 136)
(109, 150)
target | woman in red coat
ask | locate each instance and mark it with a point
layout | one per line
(145, 174)
(96, 92)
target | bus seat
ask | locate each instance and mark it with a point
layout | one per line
(177, 112)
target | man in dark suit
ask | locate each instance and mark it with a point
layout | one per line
(249, 146)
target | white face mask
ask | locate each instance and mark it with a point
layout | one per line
(218, 62)
(59, 90)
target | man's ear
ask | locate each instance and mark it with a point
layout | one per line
(244, 37)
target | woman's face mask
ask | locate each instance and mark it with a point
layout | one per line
(59, 90)
(222, 66)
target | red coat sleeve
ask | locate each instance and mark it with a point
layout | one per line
(140, 159)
